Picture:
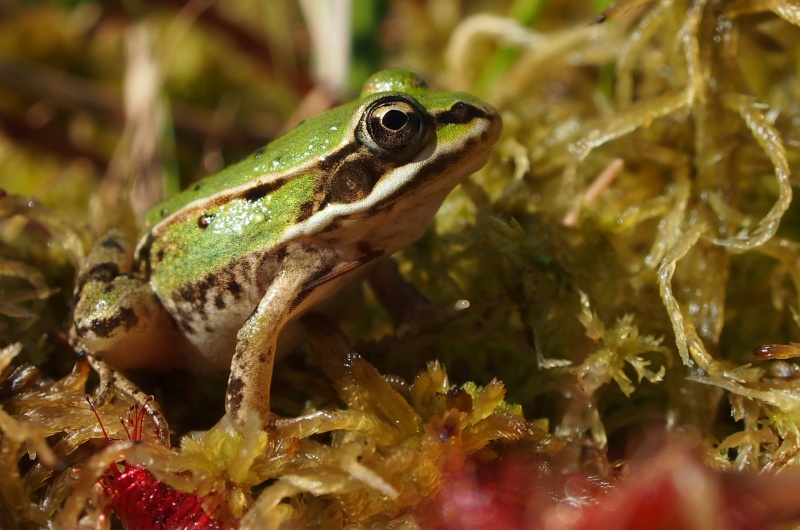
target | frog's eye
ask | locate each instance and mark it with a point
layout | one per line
(393, 125)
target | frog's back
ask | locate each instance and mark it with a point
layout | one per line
(300, 147)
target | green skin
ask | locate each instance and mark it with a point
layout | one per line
(225, 265)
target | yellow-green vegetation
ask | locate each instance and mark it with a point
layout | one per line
(630, 244)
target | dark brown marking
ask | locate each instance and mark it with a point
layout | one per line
(186, 326)
(197, 186)
(305, 210)
(334, 159)
(103, 328)
(311, 284)
(234, 288)
(235, 393)
(332, 226)
(112, 243)
(159, 255)
(219, 301)
(195, 293)
(262, 358)
(302, 295)
(385, 206)
(103, 272)
(256, 193)
(460, 113)
(204, 221)
(144, 252)
(281, 253)
(320, 182)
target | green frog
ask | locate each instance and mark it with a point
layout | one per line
(225, 265)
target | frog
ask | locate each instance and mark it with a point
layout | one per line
(225, 267)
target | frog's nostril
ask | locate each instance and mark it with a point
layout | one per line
(462, 112)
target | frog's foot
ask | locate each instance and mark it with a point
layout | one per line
(396, 295)
(105, 389)
(413, 313)
(113, 382)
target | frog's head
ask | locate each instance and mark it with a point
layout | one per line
(404, 149)
(370, 173)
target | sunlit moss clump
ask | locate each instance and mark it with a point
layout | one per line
(645, 171)
(389, 451)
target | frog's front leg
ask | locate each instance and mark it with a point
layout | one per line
(116, 314)
(297, 286)
(111, 382)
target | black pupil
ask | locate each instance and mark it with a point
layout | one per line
(394, 120)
